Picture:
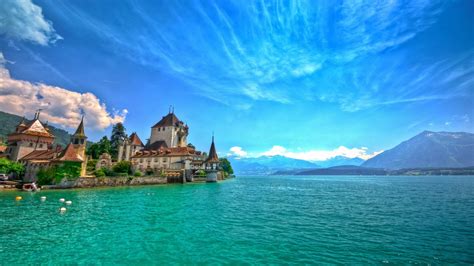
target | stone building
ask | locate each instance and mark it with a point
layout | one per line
(32, 145)
(167, 150)
(129, 147)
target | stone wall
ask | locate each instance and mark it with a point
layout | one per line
(87, 182)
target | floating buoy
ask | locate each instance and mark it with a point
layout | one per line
(18, 198)
(61, 200)
(68, 202)
(43, 198)
(62, 210)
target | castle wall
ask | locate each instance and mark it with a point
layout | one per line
(167, 134)
(24, 148)
(161, 162)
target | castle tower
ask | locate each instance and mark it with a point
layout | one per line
(169, 132)
(212, 163)
(78, 140)
(28, 137)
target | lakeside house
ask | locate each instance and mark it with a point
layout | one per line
(32, 145)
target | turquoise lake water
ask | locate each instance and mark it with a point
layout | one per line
(248, 220)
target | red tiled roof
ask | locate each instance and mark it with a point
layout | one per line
(160, 144)
(135, 140)
(40, 155)
(69, 155)
(167, 121)
(3, 148)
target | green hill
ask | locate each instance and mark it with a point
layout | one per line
(8, 122)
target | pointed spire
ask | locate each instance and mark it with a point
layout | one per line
(212, 157)
(37, 114)
(80, 129)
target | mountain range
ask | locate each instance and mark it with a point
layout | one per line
(426, 150)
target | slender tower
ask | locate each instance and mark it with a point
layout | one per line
(79, 141)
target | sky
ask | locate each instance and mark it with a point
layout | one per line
(303, 79)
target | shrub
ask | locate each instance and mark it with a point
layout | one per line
(109, 172)
(200, 173)
(99, 173)
(123, 167)
(137, 173)
(70, 170)
(121, 174)
(149, 172)
(45, 176)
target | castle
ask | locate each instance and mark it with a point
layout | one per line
(32, 145)
(167, 152)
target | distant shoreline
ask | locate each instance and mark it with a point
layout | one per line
(359, 170)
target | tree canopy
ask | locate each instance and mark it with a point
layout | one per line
(118, 135)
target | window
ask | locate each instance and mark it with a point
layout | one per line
(155, 160)
(41, 146)
(141, 160)
(165, 159)
(31, 144)
(159, 129)
(164, 129)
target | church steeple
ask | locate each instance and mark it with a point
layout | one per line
(212, 158)
(79, 137)
(80, 129)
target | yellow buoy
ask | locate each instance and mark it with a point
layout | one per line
(68, 202)
(43, 198)
(18, 198)
(61, 200)
(62, 210)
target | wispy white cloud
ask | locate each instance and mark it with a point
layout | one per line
(237, 151)
(275, 51)
(321, 155)
(60, 106)
(308, 155)
(23, 20)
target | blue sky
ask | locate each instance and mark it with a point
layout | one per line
(305, 79)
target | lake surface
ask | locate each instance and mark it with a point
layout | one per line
(248, 220)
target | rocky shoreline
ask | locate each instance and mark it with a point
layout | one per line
(96, 182)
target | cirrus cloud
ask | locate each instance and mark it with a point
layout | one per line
(23, 20)
(60, 106)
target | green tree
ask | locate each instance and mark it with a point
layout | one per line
(93, 150)
(10, 167)
(104, 146)
(226, 166)
(118, 135)
(124, 167)
(96, 149)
